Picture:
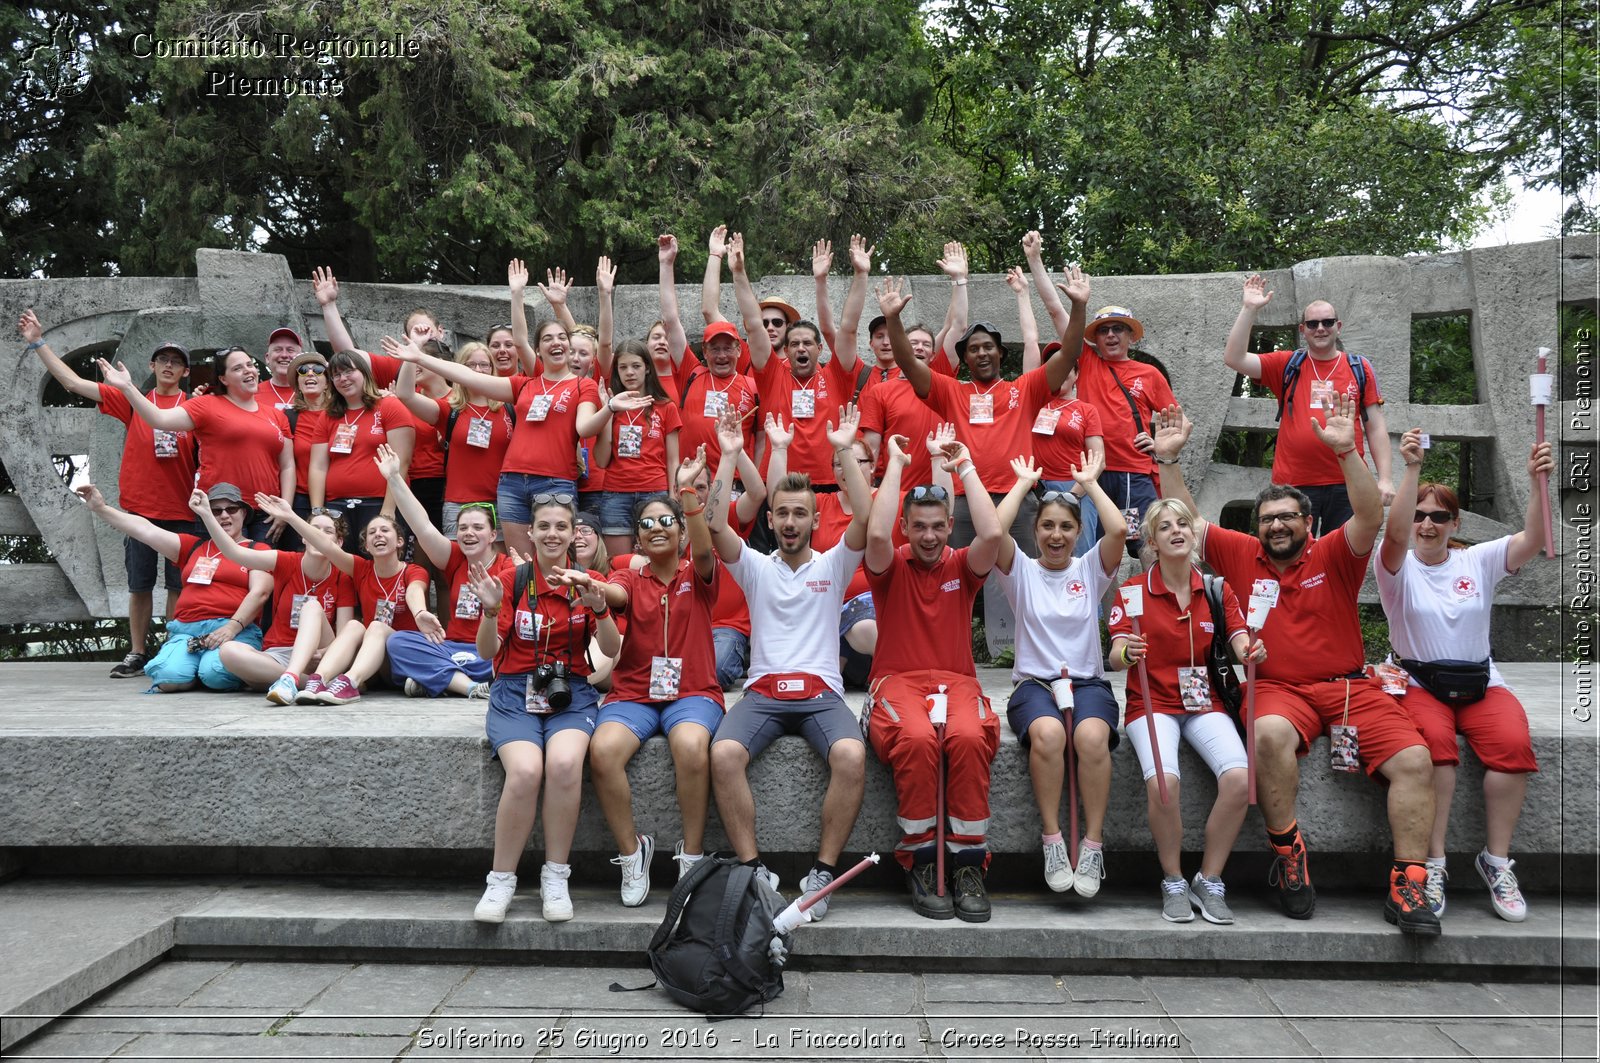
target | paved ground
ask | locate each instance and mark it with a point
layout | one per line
(235, 1011)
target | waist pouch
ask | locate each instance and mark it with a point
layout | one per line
(1452, 682)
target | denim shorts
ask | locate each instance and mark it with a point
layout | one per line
(1092, 700)
(509, 720)
(649, 718)
(517, 490)
(616, 510)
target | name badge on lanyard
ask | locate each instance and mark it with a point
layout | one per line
(479, 432)
(539, 408)
(205, 569)
(166, 443)
(803, 403)
(630, 440)
(344, 438)
(1045, 423)
(980, 409)
(716, 402)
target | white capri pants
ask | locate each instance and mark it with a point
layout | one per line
(1211, 734)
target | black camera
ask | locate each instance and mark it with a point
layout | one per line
(550, 679)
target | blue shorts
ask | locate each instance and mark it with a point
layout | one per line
(1091, 700)
(857, 609)
(616, 510)
(510, 721)
(514, 497)
(648, 718)
(1131, 490)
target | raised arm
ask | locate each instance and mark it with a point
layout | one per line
(424, 408)
(755, 492)
(605, 285)
(1339, 436)
(1397, 526)
(1113, 525)
(175, 419)
(779, 436)
(1526, 544)
(701, 551)
(954, 266)
(1030, 327)
(516, 284)
(494, 387)
(821, 265)
(329, 547)
(33, 333)
(555, 289)
(711, 284)
(326, 288)
(491, 594)
(1172, 430)
(749, 305)
(1061, 364)
(431, 539)
(1236, 352)
(1032, 251)
(730, 440)
(855, 299)
(886, 506)
(892, 299)
(163, 542)
(667, 283)
(842, 439)
(987, 530)
(1028, 476)
(236, 552)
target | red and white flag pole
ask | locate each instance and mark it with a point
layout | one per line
(1133, 605)
(1540, 389)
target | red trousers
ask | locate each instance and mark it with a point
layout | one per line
(903, 738)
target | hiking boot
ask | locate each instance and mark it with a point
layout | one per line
(283, 690)
(496, 898)
(339, 691)
(636, 872)
(922, 880)
(1058, 873)
(1504, 893)
(815, 880)
(1290, 874)
(1407, 904)
(414, 689)
(1433, 890)
(1208, 896)
(553, 894)
(685, 861)
(478, 692)
(971, 897)
(132, 666)
(311, 693)
(1091, 869)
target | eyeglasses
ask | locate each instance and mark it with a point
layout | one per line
(1438, 516)
(227, 511)
(1269, 519)
(168, 359)
(1116, 328)
(559, 499)
(1065, 497)
(1320, 322)
(928, 493)
(666, 520)
(311, 370)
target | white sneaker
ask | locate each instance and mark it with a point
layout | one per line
(1504, 893)
(553, 892)
(1058, 874)
(685, 861)
(1433, 889)
(815, 880)
(636, 872)
(496, 899)
(1091, 869)
(414, 689)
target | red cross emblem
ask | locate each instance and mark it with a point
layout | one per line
(1075, 587)
(1464, 586)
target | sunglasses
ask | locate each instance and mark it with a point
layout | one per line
(1320, 322)
(929, 493)
(1267, 520)
(560, 499)
(1438, 516)
(226, 511)
(1116, 328)
(666, 520)
(1064, 497)
(486, 507)
(311, 370)
(774, 322)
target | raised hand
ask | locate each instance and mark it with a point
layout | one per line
(91, 497)
(517, 277)
(667, 248)
(1015, 280)
(1256, 295)
(690, 471)
(1541, 461)
(1172, 431)
(861, 254)
(1339, 433)
(1089, 467)
(199, 502)
(892, 296)
(730, 431)
(489, 589)
(844, 436)
(953, 453)
(1076, 286)
(954, 262)
(718, 244)
(556, 287)
(28, 325)
(941, 434)
(1026, 470)
(605, 275)
(736, 253)
(898, 454)
(1032, 246)
(630, 402)
(821, 258)
(779, 436)
(406, 350)
(1411, 451)
(273, 506)
(118, 376)
(388, 461)
(324, 286)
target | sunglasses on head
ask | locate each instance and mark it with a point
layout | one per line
(500, 328)
(1320, 322)
(311, 369)
(929, 493)
(1064, 497)
(559, 499)
(1438, 516)
(484, 507)
(666, 520)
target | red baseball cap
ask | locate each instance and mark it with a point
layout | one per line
(286, 331)
(719, 328)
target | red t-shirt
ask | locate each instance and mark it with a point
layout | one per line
(879, 375)
(557, 628)
(546, 440)
(894, 409)
(649, 430)
(1314, 626)
(1300, 458)
(459, 608)
(290, 585)
(1097, 385)
(1059, 449)
(929, 609)
(307, 426)
(373, 591)
(384, 368)
(238, 446)
(280, 397)
(427, 453)
(833, 521)
(1012, 406)
(472, 471)
(353, 439)
(830, 387)
(213, 597)
(1176, 640)
(689, 603)
(737, 392)
(155, 480)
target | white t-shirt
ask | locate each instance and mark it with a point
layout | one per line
(794, 613)
(1058, 616)
(1441, 612)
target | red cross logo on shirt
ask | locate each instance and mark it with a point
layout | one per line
(1075, 587)
(1465, 586)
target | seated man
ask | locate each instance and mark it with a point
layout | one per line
(794, 686)
(1320, 682)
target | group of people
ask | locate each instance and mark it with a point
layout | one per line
(572, 529)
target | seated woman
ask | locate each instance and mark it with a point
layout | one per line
(221, 600)
(1176, 633)
(535, 624)
(589, 552)
(1056, 601)
(393, 596)
(429, 662)
(1438, 602)
(311, 602)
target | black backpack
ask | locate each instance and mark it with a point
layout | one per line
(1219, 659)
(1291, 373)
(710, 953)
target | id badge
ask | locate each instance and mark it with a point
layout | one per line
(468, 607)
(1131, 517)
(1322, 394)
(527, 625)
(665, 673)
(1045, 423)
(1393, 678)
(1194, 685)
(383, 612)
(294, 611)
(205, 569)
(630, 440)
(716, 402)
(344, 439)
(1346, 752)
(1265, 588)
(803, 403)
(479, 432)
(980, 409)
(533, 701)
(539, 408)
(166, 444)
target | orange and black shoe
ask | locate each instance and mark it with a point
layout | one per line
(1407, 904)
(1293, 878)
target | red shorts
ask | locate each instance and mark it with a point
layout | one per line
(1496, 728)
(1382, 727)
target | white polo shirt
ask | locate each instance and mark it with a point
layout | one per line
(794, 613)
(1058, 616)
(1441, 612)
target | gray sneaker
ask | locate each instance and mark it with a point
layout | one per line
(1208, 896)
(1175, 900)
(816, 879)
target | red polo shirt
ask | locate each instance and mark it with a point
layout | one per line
(557, 628)
(1177, 639)
(929, 610)
(667, 620)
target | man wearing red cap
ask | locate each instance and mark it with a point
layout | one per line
(715, 386)
(283, 347)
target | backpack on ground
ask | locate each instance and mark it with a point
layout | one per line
(711, 952)
(1291, 373)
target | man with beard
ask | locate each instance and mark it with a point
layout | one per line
(1321, 683)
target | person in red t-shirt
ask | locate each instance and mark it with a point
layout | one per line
(1324, 371)
(638, 449)
(357, 421)
(310, 375)
(157, 471)
(924, 592)
(541, 703)
(1315, 583)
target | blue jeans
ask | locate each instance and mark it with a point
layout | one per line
(733, 655)
(174, 665)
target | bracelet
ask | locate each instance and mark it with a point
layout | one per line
(1346, 454)
(35, 345)
(1125, 658)
(1166, 461)
(1413, 464)
(490, 614)
(962, 283)
(601, 613)
(965, 467)
(694, 512)
(688, 491)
